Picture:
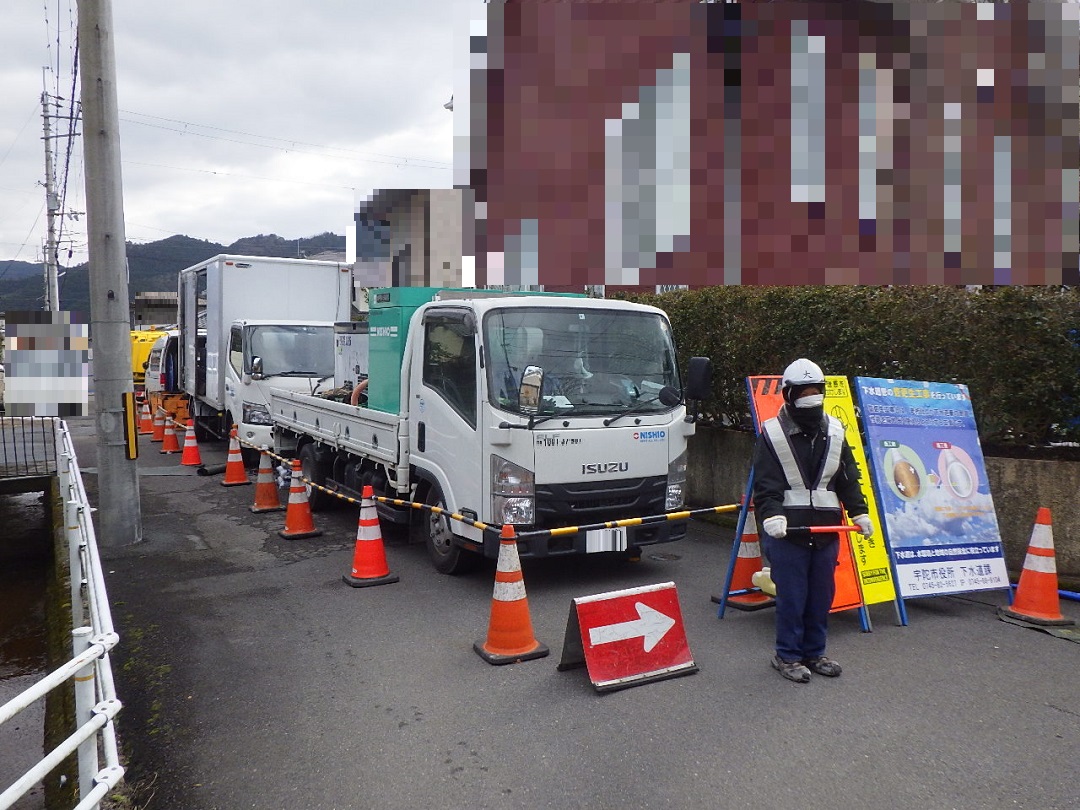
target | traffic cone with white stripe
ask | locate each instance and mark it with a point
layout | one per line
(369, 557)
(510, 634)
(158, 433)
(1036, 599)
(747, 565)
(191, 456)
(235, 474)
(298, 522)
(146, 423)
(170, 443)
(266, 491)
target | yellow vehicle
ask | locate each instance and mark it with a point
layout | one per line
(142, 341)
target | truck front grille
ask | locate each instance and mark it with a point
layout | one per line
(588, 502)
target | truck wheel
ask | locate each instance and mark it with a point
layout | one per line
(446, 556)
(315, 471)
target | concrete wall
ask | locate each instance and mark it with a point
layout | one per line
(720, 464)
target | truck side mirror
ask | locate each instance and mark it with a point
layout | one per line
(699, 378)
(532, 380)
(256, 368)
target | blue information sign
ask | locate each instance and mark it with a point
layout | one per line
(932, 488)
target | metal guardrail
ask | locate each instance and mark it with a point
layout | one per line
(90, 670)
(27, 446)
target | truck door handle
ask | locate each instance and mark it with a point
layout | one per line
(421, 433)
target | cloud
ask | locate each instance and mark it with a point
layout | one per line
(938, 519)
(239, 118)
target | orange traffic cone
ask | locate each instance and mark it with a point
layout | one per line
(191, 456)
(235, 474)
(369, 557)
(748, 563)
(266, 494)
(510, 635)
(158, 434)
(169, 443)
(298, 522)
(1036, 598)
(146, 423)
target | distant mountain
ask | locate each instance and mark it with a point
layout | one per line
(152, 267)
(12, 270)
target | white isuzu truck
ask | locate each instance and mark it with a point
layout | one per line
(249, 323)
(539, 410)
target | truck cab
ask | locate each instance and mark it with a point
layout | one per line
(544, 413)
(290, 355)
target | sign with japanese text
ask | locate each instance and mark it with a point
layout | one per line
(870, 555)
(626, 638)
(935, 496)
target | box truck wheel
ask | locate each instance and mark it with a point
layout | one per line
(314, 470)
(446, 556)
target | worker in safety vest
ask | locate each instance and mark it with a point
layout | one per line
(804, 473)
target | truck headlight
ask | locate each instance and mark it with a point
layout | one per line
(513, 493)
(256, 415)
(676, 484)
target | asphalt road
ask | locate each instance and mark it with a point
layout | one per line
(252, 677)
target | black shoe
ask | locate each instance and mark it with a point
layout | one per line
(792, 670)
(823, 666)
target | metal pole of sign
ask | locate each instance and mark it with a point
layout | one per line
(743, 512)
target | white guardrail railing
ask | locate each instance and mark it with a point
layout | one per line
(89, 669)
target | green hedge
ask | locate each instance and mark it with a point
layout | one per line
(1016, 348)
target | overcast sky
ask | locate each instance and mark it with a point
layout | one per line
(238, 117)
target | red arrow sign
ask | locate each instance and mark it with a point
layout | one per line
(628, 637)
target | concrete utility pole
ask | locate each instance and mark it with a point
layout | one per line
(52, 206)
(119, 513)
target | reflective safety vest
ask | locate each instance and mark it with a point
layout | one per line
(799, 493)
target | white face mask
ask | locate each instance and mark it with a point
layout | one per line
(810, 401)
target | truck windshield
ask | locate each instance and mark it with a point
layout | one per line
(595, 361)
(306, 351)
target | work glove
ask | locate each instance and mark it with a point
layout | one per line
(866, 526)
(775, 526)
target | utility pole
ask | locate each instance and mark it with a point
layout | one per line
(52, 206)
(119, 513)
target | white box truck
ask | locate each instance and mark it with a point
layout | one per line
(541, 411)
(249, 323)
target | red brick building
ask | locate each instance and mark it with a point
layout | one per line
(788, 142)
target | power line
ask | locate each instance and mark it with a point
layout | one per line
(285, 144)
(234, 174)
(33, 112)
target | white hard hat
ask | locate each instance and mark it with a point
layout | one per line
(801, 372)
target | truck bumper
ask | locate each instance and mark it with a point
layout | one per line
(546, 546)
(258, 435)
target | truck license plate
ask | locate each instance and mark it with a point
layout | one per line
(605, 539)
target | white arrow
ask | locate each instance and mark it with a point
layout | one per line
(652, 626)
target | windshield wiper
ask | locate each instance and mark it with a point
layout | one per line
(638, 406)
(533, 422)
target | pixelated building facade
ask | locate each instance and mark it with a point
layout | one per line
(658, 143)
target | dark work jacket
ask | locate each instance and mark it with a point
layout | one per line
(809, 450)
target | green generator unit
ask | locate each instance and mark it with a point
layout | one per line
(389, 312)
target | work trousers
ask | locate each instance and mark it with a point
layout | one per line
(805, 586)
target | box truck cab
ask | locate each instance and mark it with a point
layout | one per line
(249, 323)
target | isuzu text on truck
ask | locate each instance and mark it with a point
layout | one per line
(540, 411)
(248, 323)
